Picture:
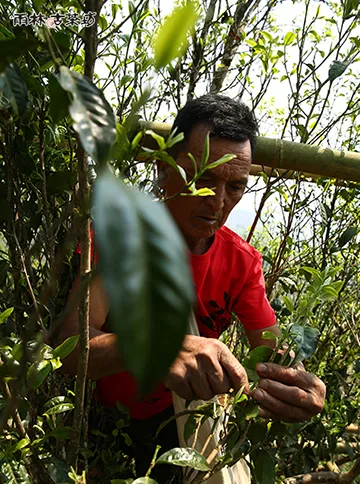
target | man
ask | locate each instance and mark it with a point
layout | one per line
(228, 277)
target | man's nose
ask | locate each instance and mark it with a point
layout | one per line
(216, 202)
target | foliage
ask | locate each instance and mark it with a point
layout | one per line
(50, 111)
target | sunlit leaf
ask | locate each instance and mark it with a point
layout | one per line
(171, 39)
(223, 159)
(257, 355)
(184, 457)
(269, 335)
(37, 373)
(60, 408)
(5, 314)
(289, 38)
(66, 347)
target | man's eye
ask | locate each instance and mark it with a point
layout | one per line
(237, 188)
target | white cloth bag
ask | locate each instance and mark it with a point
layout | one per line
(239, 473)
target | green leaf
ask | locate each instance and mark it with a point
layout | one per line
(337, 68)
(11, 49)
(264, 468)
(61, 433)
(206, 152)
(13, 85)
(55, 401)
(159, 139)
(146, 276)
(306, 342)
(144, 480)
(55, 363)
(269, 335)
(66, 347)
(61, 181)
(130, 481)
(223, 159)
(59, 100)
(171, 40)
(347, 235)
(257, 355)
(13, 472)
(37, 373)
(93, 117)
(58, 469)
(60, 408)
(251, 410)
(257, 432)
(173, 140)
(288, 303)
(289, 38)
(21, 444)
(349, 6)
(201, 192)
(5, 314)
(184, 457)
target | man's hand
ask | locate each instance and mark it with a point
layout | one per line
(205, 367)
(288, 394)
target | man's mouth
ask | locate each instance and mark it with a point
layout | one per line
(208, 219)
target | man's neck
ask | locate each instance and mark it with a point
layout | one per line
(200, 246)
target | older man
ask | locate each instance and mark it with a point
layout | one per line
(228, 278)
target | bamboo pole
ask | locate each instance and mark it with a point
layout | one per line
(286, 157)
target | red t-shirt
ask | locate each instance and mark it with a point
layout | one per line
(228, 278)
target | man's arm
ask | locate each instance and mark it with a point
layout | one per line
(287, 394)
(203, 368)
(104, 357)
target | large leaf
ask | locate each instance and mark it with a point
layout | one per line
(66, 347)
(37, 373)
(337, 68)
(11, 49)
(93, 118)
(13, 85)
(347, 235)
(171, 39)
(59, 100)
(306, 342)
(12, 472)
(184, 457)
(264, 468)
(257, 355)
(146, 275)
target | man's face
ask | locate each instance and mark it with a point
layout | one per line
(200, 217)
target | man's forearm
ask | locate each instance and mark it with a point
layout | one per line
(104, 356)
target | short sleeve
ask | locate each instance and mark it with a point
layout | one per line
(94, 252)
(251, 305)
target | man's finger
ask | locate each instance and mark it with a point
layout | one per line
(284, 411)
(294, 395)
(288, 376)
(218, 380)
(235, 371)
